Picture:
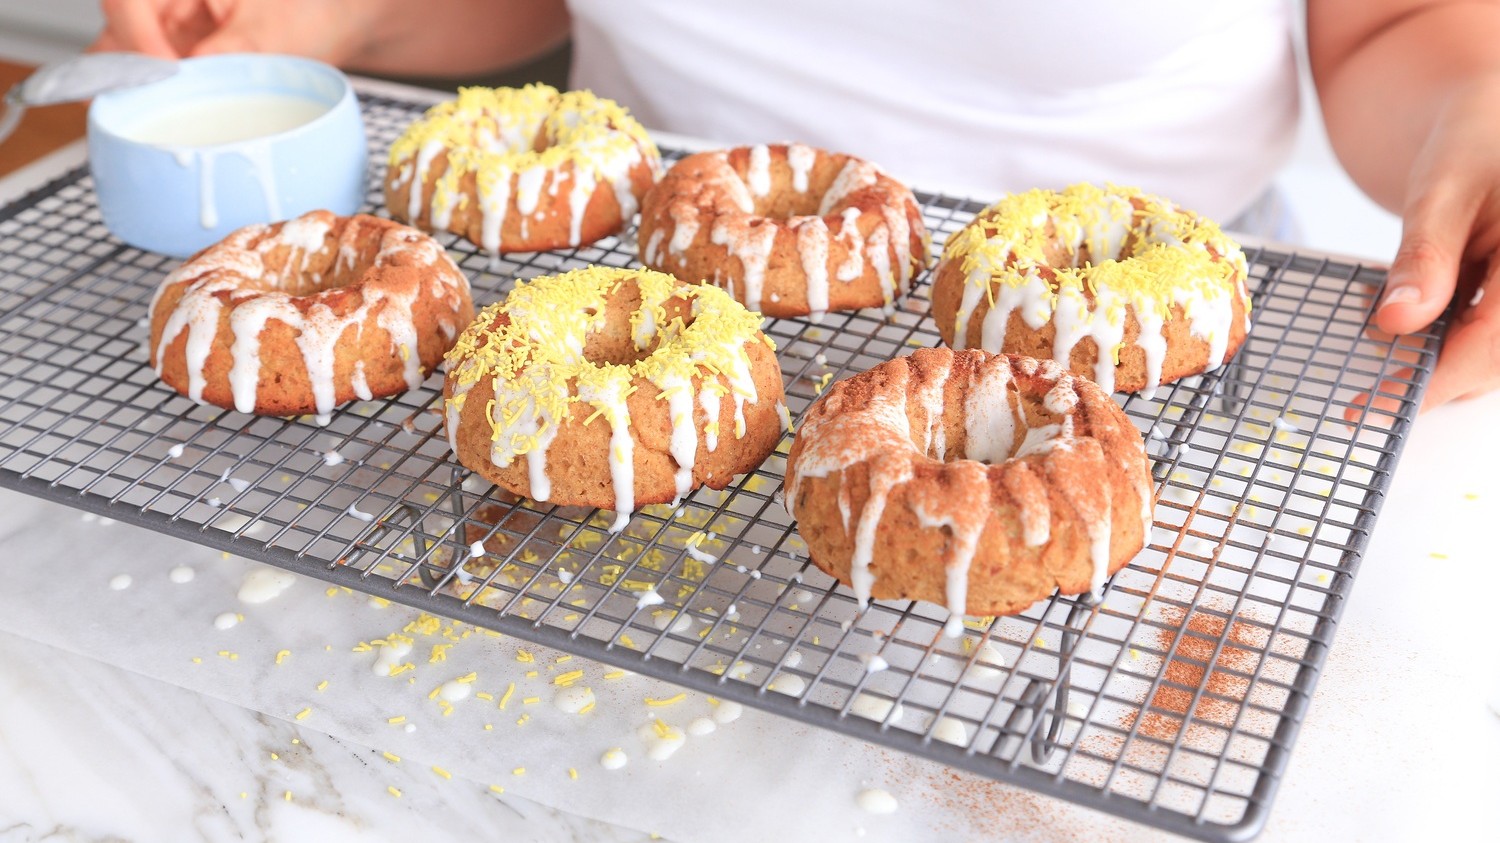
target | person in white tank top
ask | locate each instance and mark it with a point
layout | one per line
(1196, 101)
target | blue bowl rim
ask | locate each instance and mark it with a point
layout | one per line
(346, 94)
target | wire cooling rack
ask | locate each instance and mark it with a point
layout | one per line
(1173, 701)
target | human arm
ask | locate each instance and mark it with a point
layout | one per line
(400, 37)
(1410, 91)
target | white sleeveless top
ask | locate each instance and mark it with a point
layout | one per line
(1195, 101)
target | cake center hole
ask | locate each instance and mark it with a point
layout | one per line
(994, 431)
(620, 338)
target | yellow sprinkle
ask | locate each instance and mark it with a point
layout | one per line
(435, 692)
(625, 639)
(380, 601)
(615, 674)
(225, 654)
(531, 700)
(489, 727)
(521, 721)
(532, 674)
(444, 773)
(566, 679)
(1471, 496)
(563, 658)
(1436, 555)
(400, 718)
(662, 729)
(447, 707)
(281, 656)
(519, 771)
(197, 660)
(439, 653)
(505, 697)
(467, 678)
(331, 591)
(304, 714)
(392, 757)
(287, 796)
(668, 701)
(587, 708)
(524, 656)
(484, 695)
(391, 789)
(497, 788)
(275, 757)
(572, 774)
(323, 685)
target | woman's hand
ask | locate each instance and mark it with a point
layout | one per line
(1450, 244)
(329, 30)
(399, 37)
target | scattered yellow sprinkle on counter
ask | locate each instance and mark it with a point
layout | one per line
(497, 788)
(566, 679)
(519, 771)
(392, 790)
(400, 718)
(573, 773)
(323, 685)
(440, 771)
(304, 714)
(439, 653)
(281, 655)
(615, 674)
(275, 757)
(667, 701)
(392, 757)
(510, 691)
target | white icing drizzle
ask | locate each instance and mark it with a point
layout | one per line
(854, 175)
(812, 248)
(425, 155)
(494, 202)
(801, 159)
(854, 242)
(611, 399)
(683, 445)
(752, 246)
(758, 177)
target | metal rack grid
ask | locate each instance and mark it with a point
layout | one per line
(1173, 701)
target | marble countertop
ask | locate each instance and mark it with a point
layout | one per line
(126, 714)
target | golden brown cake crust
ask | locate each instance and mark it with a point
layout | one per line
(602, 308)
(906, 475)
(300, 316)
(789, 230)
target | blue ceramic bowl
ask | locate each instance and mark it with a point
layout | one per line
(176, 190)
